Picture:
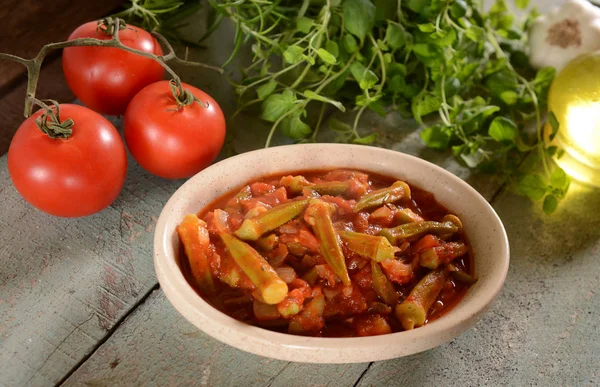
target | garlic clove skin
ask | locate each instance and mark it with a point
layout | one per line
(563, 34)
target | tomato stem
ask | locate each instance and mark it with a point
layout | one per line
(49, 122)
(184, 97)
(34, 65)
(108, 26)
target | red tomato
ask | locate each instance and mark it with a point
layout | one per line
(71, 177)
(105, 79)
(173, 142)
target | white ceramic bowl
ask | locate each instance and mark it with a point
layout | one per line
(482, 226)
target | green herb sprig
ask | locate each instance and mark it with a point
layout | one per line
(422, 58)
(166, 17)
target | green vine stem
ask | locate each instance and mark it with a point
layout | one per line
(34, 65)
(49, 121)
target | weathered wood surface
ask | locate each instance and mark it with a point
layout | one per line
(65, 286)
(543, 330)
(64, 283)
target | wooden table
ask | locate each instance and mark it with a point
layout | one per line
(80, 304)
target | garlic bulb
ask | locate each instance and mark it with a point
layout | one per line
(564, 33)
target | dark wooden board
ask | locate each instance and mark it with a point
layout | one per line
(25, 26)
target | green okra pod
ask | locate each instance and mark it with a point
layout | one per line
(412, 312)
(377, 248)
(297, 183)
(333, 188)
(406, 215)
(414, 229)
(244, 194)
(253, 228)
(318, 215)
(433, 257)
(382, 285)
(461, 275)
(311, 276)
(398, 190)
(268, 242)
(271, 288)
(430, 258)
(310, 318)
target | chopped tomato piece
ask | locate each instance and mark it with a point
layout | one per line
(428, 241)
(361, 222)
(397, 271)
(303, 286)
(260, 189)
(371, 325)
(343, 206)
(346, 174)
(363, 278)
(348, 302)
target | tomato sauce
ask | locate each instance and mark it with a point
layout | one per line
(319, 303)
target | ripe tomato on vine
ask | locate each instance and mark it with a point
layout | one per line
(174, 133)
(105, 79)
(68, 161)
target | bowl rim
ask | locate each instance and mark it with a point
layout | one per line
(315, 349)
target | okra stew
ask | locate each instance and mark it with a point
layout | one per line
(328, 253)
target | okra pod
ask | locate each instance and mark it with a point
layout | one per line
(382, 285)
(230, 274)
(412, 312)
(406, 215)
(311, 276)
(318, 215)
(414, 229)
(430, 258)
(333, 188)
(295, 248)
(294, 183)
(271, 288)
(461, 275)
(377, 248)
(398, 190)
(244, 194)
(268, 242)
(297, 183)
(379, 308)
(433, 257)
(193, 234)
(253, 228)
(310, 318)
(292, 305)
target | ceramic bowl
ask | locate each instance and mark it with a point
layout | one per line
(482, 226)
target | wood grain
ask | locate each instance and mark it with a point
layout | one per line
(171, 351)
(29, 24)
